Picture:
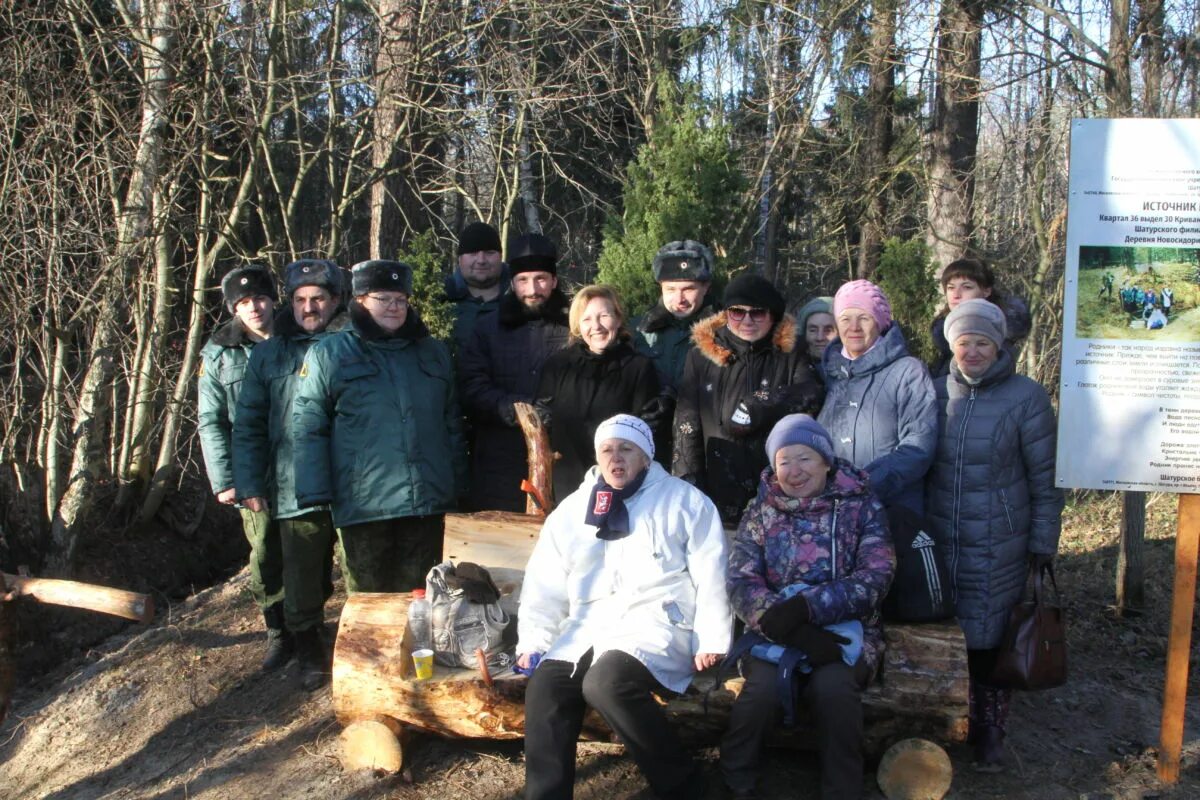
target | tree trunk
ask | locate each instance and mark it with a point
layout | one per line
(1151, 23)
(881, 107)
(391, 83)
(954, 138)
(1118, 91)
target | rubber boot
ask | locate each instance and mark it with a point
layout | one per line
(973, 713)
(280, 644)
(989, 742)
(314, 663)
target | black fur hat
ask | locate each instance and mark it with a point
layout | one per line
(532, 253)
(248, 281)
(381, 276)
(478, 236)
(687, 260)
(312, 272)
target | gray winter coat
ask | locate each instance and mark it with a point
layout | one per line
(990, 497)
(879, 409)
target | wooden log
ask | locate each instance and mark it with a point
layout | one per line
(494, 538)
(540, 501)
(73, 594)
(922, 692)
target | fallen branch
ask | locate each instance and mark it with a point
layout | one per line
(73, 594)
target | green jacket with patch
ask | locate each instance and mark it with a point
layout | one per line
(263, 443)
(378, 432)
(222, 366)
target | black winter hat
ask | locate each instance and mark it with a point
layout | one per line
(312, 272)
(754, 291)
(381, 276)
(248, 281)
(687, 260)
(532, 253)
(478, 236)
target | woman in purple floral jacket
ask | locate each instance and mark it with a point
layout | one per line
(813, 549)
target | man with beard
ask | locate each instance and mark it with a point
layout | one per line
(477, 285)
(263, 469)
(684, 271)
(249, 293)
(502, 365)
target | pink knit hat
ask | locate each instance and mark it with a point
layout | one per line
(868, 297)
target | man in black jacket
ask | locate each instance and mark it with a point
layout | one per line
(502, 365)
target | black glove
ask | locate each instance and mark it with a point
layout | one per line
(658, 411)
(475, 582)
(1039, 561)
(821, 646)
(507, 412)
(782, 618)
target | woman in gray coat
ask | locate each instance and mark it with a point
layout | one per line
(990, 500)
(879, 405)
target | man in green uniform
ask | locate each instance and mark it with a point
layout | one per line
(684, 271)
(249, 293)
(262, 462)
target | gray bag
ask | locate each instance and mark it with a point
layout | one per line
(461, 626)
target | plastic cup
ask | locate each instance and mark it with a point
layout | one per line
(423, 664)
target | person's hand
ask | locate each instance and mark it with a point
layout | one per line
(782, 618)
(527, 663)
(660, 409)
(703, 661)
(255, 503)
(508, 413)
(821, 646)
(525, 660)
(227, 497)
(1039, 561)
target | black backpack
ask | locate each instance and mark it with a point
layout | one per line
(921, 590)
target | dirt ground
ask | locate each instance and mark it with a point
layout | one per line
(178, 710)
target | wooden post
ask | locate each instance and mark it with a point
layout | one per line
(1183, 599)
(1131, 578)
(540, 501)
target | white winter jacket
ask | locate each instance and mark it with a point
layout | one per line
(658, 594)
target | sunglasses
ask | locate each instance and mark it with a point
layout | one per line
(755, 314)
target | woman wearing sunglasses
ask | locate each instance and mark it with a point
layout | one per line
(880, 408)
(748, 370)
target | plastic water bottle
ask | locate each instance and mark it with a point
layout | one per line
(419, 621)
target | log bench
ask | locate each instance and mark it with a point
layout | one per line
(922, 689)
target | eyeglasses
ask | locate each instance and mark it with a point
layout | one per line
(389, 303)
(755, 314)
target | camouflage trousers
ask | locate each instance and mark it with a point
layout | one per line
(391, 555)
(266, 557)
(307, 568)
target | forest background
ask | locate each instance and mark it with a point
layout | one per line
(148, 147)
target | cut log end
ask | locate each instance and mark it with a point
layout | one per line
(372, 745)
(915, 769)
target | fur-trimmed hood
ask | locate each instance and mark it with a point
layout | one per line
(286, 325)
(658, 318)
(718, 344)
(230, 333)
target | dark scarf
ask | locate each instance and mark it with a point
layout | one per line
(606, 508)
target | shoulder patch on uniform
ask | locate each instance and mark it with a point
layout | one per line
(304, 370)
(200, 372)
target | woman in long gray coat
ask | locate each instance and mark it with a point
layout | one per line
(991, 499)
(879, 405)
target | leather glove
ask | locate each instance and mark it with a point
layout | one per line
(508, 413)
(1039, 561)
(658, 411)
(821, 646)
(475, 582)
(782, 618)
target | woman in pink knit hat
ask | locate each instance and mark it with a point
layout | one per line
(879, 407)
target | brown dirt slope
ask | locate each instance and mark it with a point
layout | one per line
(178, 710)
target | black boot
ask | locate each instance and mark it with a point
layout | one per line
(993, 704)
(314, 663)
(279, 642)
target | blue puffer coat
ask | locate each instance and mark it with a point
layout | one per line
(879, 409)
(991, 498)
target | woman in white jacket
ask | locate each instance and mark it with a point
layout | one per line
(624, 598)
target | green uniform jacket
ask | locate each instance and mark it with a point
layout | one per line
(262, 431)
(378, 433)
(666, 339)
(222, 365)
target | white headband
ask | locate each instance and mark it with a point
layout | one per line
(628, 427)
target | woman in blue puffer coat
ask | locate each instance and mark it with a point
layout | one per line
(991, 499)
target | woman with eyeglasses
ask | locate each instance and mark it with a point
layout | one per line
(748, 370)
(596, 375)
(880, 406)
(379, 435)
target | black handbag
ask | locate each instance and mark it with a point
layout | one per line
(1033, 652)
